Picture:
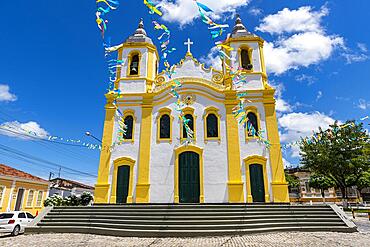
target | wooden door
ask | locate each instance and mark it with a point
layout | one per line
(189, 184)
(257, 183)
(123, 182)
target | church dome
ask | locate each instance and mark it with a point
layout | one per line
(139, 35)
(239, 29)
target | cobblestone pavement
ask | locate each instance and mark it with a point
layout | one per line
(284, 239)
(273, 239)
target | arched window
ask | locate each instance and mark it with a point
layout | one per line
(129, 122)
(245, 59)
(212, 125)
(252, 124)
(165, 127)
(190, 124)
(134, 65)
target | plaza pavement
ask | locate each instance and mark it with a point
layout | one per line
(283, 239)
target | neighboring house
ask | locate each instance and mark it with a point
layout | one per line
(65, 187)
(304, 193)
(21, 191)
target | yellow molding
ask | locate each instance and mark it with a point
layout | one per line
(235, 183)
(254, 110)
(211, 110)
(123, 161)
(129, 58)
(185, 111)
(178, 151)
(279, 185)
(150, 47)
(250, 55)
(102, 185)
(161, 112)
(257, 39)
(143, 183)
(259, 160)
(126, 113)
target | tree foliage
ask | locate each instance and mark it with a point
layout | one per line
(339, 153)
(292, 181)
(57, 200)
(321, 182)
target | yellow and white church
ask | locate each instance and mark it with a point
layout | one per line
(224, 163)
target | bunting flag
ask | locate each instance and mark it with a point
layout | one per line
(152, 8)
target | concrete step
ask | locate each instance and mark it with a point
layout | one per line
(165, 221)
(189, 219)
(195, 227)
(179, 233)
(174, 213)
(184, 218)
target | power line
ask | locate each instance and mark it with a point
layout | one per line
(31, 157)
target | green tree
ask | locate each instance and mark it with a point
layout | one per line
(318, 181)
(338, 153)
(292, 181)
(363, 183)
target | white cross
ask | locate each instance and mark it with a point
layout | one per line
(189, 43)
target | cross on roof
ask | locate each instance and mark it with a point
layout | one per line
(189, 43)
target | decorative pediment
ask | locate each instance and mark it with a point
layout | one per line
(190, 69)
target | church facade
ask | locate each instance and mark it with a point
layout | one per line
(224, 163)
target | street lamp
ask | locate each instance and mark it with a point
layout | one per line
(89, 134)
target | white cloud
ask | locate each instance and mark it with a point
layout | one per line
(22, 130)
(185, 11)
(300, 50)
(304, 19)
(302, 40)
(255, 11)
(295, 125)
(281, 105)
(212, 59)
(319, 95)
(363, 104)
(355, 57)
(5, 94)
(362, 47)
(306, 78)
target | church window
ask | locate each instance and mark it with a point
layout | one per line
(134, 65)
(211, 120)
(245, 55)
(190, 124)
(165, 127)
(212, 125)
(129, 122)
(252, 124)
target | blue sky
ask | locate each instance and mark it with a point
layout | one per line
(53, 76)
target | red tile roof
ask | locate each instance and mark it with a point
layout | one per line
(12, 172)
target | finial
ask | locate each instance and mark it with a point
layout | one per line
(141, 23)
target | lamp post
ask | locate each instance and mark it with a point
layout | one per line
(89, 134)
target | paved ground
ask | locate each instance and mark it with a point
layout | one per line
(273, 239)
(284, 239)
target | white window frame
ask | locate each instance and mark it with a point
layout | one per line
(28, 195)
(37, 197)
(2, 196)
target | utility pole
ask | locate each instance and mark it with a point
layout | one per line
(51, 175)
(60, 169)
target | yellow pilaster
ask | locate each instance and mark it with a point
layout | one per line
(102, 186)
(279, 185)
(143, 183)
(235, 183)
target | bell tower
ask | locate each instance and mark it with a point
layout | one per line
(247, 53)
(140, 66)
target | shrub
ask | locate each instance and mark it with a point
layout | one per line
(56, 200)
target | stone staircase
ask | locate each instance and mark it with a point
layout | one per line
(180, 220)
